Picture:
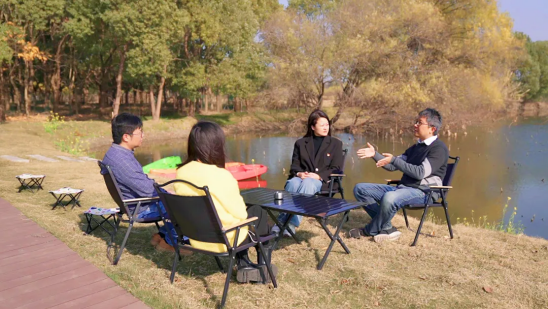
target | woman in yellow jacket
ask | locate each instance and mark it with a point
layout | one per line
(205, 166)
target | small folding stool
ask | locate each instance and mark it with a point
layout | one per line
(105, 214)
(30, 182)
(72, 194)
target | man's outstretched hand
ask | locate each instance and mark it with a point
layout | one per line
(368, 152)
(387, 159)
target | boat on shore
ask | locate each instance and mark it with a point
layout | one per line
(167, 167)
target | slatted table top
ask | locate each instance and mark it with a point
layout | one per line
(37, 270)
(298, 204)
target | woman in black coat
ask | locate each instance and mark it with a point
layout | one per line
(315, 157)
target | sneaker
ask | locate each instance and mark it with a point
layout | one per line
(390, 235)
(256, 274)
(357, 233)
(276, 229)
(163, 246)
(292, 228)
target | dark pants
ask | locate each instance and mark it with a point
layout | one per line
(261, 225)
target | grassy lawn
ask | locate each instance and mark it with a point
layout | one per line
(437, 273)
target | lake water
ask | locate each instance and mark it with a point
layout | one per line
(496, 163)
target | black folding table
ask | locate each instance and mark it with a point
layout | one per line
(318, 207)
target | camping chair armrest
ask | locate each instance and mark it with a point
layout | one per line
(441, 187)
(337, 175)
(143, 199)
(240, 224)
(392, 181)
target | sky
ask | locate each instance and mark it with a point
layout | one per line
(530, 16)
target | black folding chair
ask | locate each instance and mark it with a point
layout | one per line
(129, 207)
(441, 202)
(335, 181)
(197, 218)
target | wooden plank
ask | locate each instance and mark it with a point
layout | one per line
(27, 234)
(18, 244)
(45, 258)
(34, 292)
(34, 268)
(117, 302)
(13, 281)
(31, 254)
(39, 271)
(92, 299)
(75, 294)
(31, 249)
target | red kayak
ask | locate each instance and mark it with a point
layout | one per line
(239, 170)
(245, 171)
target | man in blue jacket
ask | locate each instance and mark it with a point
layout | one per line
(423, 164)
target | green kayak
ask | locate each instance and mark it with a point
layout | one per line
(165, 163)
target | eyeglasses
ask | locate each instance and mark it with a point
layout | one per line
(142, 133)
(418, 123)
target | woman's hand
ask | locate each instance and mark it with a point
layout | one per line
(304, 175)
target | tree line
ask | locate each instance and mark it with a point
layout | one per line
(376, 58)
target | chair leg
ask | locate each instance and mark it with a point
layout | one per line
(420, 226)
(448, 221)
(228, 276)
(158, 226)
(341, 191)
(220, 264)
(268, 264)
(123, 244)
(175, 261)
(405, 217)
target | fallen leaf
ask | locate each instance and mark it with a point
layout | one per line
(291, 261)
(423, 277)
(376, 303)
(488, 289)
(433, 233)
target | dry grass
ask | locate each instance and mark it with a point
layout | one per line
(438, 273)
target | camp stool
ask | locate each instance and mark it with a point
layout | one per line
(105, 214)
(29, 181)
(67, 192)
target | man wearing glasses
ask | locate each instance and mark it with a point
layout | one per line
(422, 164)
(128, 134)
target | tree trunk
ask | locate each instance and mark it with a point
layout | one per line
(191, 108)
(151, 99)
(27, 90)
(218, 103)
(156, 114)
(56, 77)
(72, 87)
(237, 105)
(119, 78)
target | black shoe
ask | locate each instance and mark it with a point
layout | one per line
(390, 235)
(255, 274)
(267, 253)
(358, 233)
(243, 261)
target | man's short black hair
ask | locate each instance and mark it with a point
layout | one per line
(124, 123)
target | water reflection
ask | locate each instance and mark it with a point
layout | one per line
(497, 163)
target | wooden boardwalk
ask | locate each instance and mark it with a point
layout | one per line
(37, 270)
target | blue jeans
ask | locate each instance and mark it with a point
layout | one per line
(298, 185)
(384, 201)
(151, 211)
